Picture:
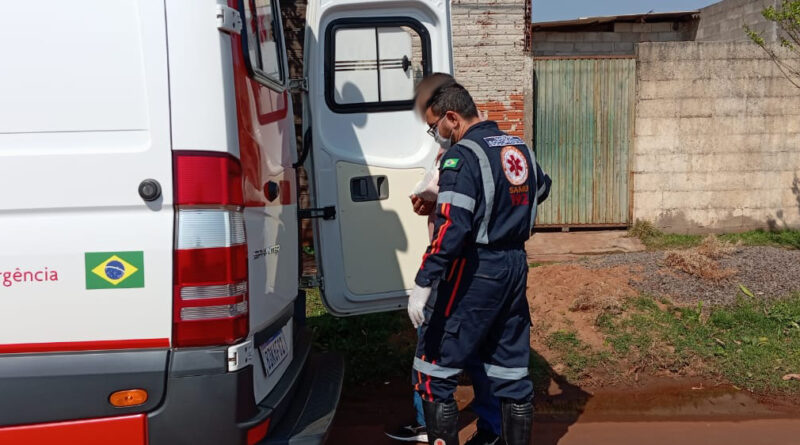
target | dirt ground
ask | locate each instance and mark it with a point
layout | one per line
(571, 295)
(682, 409)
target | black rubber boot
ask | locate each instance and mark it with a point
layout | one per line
(441, 419)
(517, 421)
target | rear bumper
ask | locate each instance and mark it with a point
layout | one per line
(205, 408)
(311, 412)
(199, 402)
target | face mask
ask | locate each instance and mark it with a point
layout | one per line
(442, 141)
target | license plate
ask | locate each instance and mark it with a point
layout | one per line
(274, 352)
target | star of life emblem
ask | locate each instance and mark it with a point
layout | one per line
(515, 165)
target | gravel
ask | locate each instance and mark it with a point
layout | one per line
(769, 272)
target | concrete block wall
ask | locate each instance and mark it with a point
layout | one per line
(619, 42)
(717, 139)
(490, 59)
(724, 21)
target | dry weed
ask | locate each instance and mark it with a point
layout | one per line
(586, 303)
(694, 263)
(701, 261)
(714, 249)
(581, 304)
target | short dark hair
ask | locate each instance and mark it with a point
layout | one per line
(452, 97)
(427, 86)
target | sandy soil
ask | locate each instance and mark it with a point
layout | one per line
(570, 296)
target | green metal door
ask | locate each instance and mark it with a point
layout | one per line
(583, 132)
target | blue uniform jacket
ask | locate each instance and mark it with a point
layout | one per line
(488, 192)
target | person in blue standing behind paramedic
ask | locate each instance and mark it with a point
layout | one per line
(489, 187)
(485, 405)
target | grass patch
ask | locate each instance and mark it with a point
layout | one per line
(649, 337)
(577, 357)
(752, 343)
(375, 346)
(654, 239)
(783, 238)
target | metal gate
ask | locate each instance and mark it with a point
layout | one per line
(584, 115)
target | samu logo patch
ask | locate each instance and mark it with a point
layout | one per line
(515, 166)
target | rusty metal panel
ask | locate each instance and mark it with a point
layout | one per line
(583, 134)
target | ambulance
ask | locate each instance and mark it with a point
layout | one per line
(150, 276)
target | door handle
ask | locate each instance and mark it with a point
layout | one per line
(369, 188)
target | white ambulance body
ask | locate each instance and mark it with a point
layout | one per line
(149, 253)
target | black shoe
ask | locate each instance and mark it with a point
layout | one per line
(410, 433)
(484, 437)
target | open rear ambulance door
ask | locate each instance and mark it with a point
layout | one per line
(368, 148)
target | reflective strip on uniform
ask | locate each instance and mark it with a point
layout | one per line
(488, 187)
(536, 186)
(458, 200)
(501, 372)
(434, 370)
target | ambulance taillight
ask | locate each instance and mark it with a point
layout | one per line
(210, 300)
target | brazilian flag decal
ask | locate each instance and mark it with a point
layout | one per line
(113, 270)
(450, 163)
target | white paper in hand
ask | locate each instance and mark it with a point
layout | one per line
(428, 187)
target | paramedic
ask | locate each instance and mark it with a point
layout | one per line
(485, 405)
(489, 187)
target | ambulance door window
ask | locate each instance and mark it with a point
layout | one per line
(262, 40)
(375, 66)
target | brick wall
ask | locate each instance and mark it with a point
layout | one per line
(724, 21)
(490, 58)
(717, 142)
(294, 21)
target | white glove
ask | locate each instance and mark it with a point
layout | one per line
(416, 304)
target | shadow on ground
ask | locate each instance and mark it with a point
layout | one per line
(367, 410)
(558, 403)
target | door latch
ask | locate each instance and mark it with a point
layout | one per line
(326, 213)
(229, 20)
(311, 281)
(298, 85)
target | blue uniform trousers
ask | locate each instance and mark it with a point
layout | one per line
(480, 309)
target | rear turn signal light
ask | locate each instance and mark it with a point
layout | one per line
(210, 298)
(128, 397)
